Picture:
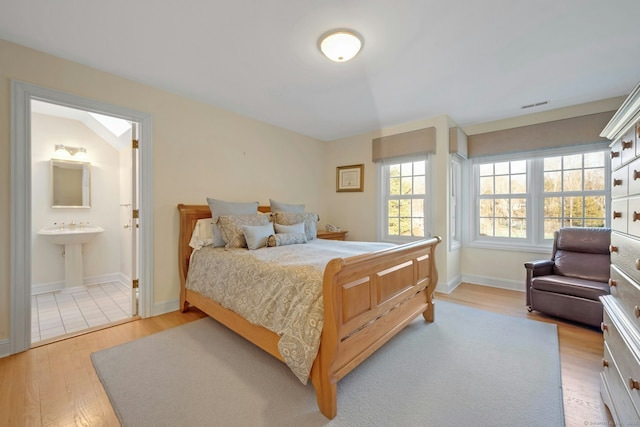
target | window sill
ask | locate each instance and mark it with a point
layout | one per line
(510, 247)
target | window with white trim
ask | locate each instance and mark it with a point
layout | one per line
(521, 199)
(404, 199)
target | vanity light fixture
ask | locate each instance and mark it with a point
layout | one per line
(340, 45)
(65, 152)
(61, 152)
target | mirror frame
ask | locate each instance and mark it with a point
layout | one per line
(85, 185)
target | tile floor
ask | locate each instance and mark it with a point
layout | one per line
(54, 314)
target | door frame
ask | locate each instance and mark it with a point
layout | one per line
(20, 222)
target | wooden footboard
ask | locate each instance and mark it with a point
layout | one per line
(367, 300)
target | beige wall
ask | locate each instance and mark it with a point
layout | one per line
(199, 151)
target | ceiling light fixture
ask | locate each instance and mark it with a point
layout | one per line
(340, 45)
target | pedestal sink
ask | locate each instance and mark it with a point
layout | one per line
(72, 239)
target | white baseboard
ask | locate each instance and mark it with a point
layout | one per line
(43, 288)
(447, 288)
(5, 347)
(165, 307)
(493, 282)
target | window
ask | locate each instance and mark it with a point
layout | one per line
(574, 192)
(522, 201)
(404, 199)
(503, 199)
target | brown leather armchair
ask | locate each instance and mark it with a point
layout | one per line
(569, 284)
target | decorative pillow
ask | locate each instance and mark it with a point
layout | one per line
(220, 207)
(257, 235)
(286, 239)
(202, 234)
(294, 228)
(310, 221)
(232, 228)
(285, 207)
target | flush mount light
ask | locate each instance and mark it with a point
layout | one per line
(340, 45)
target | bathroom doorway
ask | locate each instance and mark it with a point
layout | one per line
(84, 186)
(40, 265)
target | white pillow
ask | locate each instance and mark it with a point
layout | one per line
(257, 235)
(295, 228)
(220, 207)
(202, 234)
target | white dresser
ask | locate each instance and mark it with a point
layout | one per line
(620, 377)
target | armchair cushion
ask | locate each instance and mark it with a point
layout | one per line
(571, 286)
(582, 265)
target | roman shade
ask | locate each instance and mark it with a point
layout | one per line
(558, 133)
(421, 141)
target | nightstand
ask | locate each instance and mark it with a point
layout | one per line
(332, 235)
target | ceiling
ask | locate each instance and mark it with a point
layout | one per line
(115, 131)
(476, 61)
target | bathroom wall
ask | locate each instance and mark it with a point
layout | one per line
(101, 256)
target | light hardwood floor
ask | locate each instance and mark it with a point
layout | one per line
(56, 385)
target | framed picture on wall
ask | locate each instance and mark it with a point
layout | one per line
(350, 178)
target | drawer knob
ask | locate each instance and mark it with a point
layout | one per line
(612, 283)
(605, 363)
(636, 311)
(603, 327)
(615, 154)
(636, 174)
(636, 216)
(633, 384)
(617, 182)
(637, 264)
(613, 249)
(617, 214)
(627, 144)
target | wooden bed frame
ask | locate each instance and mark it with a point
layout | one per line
(367, 300)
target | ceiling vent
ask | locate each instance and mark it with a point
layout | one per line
(537, 104)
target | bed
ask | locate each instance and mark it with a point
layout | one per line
(367, 299)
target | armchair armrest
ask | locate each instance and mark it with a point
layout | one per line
(539, 267)
(536, 268)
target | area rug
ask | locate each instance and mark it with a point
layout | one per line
(468, 368)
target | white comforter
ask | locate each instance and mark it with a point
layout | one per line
(279, 288)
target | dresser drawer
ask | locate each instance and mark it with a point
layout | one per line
(619, 215)
(620, 182)
(626, 292)
(633, 181)
(625, 412)
(625, 253)
(625, 360)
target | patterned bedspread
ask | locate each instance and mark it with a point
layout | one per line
(279, 288)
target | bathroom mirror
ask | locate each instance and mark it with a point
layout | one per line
(70, 184)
